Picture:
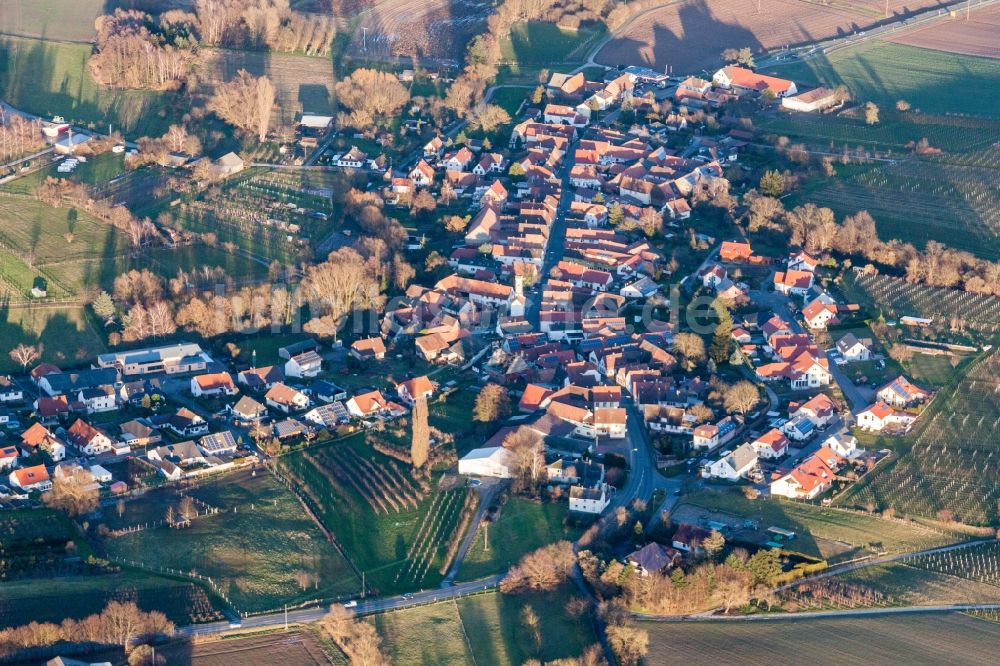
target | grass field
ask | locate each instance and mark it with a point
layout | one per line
(814, 524)
(883, 72)
(60, 84)
(67, 335)
(252, 549)
(484, 630)
(53, 599)
(957, 433)
(69, 20)
(301, 83)
(388, 526)
(51, 240)
(523, 526)
(924, 639)
(534, 43)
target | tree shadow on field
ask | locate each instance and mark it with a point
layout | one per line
(698, 44)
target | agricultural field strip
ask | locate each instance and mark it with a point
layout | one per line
(899, 297)
(953, 463)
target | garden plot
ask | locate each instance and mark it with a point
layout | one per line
(267, 214)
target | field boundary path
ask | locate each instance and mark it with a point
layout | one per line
(812, 615)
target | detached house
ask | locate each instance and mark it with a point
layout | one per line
(371, 404)
(735, 466)
(186, 423)
(368, 349)
(307, 364)
(88, 439)
(742, 79)
(413, 389)
(793, 282)
(31, 478)
(810, 479)
(879, 416)
(852, 349)
(8, 457)
(38, 437)
(286, 399)
(772, 444)
(819, 313)
(258, 379)
(901, 393)
(216, 383)
(9, 391)
(422, 174)
(247, 409)
(735, 252)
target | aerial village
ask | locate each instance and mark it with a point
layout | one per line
(558, 297)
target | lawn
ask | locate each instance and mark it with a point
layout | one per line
(537, 43)
(884, 73)
(510, 98)
(66, 335)
(522, 526)
(361, 496)
(54, 599)
(926, 639)
(814, 524)
(934, 371)
(252, 548)
(70, 247)
(485, 629)
(60, 84)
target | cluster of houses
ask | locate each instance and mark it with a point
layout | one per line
(218, 410)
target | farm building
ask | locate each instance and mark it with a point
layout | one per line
(313, 121)
(816, 99)
(227, 165)
(494, 461)
(739, 78)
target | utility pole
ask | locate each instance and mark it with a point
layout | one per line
(362, 584)
(486, 535)
(286, 617)
(364, 39)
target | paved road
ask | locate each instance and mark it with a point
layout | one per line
(486, 495)
(381, 605)
(555, 245)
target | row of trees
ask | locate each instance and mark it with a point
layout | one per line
(817, 230)
(120, 623)
(259, 24)
(19, 136)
